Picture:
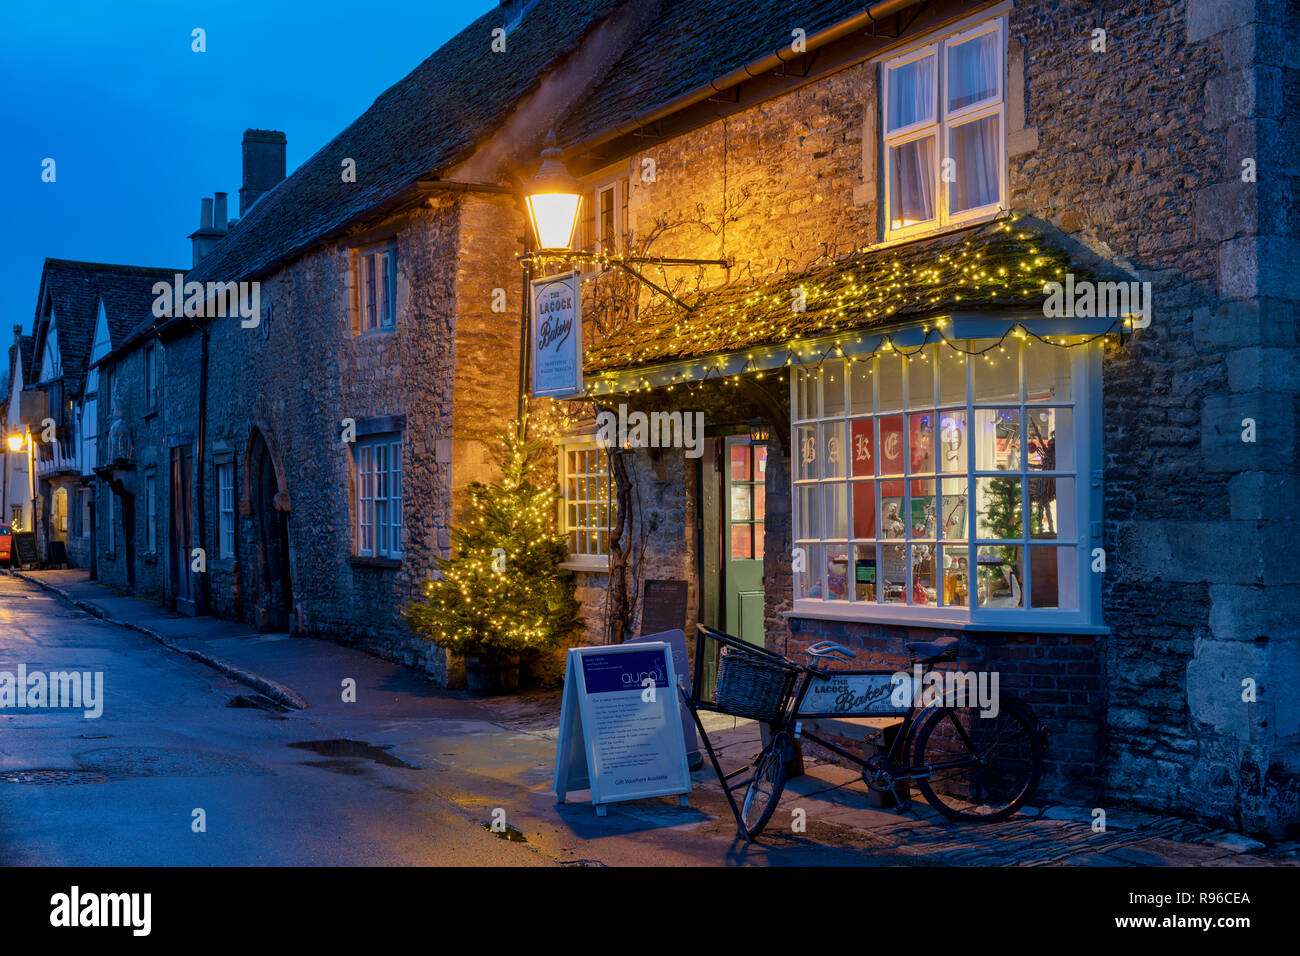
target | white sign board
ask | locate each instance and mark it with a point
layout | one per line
(676, 639)
(556, 335)
(620, 733)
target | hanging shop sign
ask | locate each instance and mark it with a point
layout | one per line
(557, 335)
(620, 730)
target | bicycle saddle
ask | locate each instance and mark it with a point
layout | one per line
(830, 649)
(943, 649)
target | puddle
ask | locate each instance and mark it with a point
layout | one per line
(513, 834)
(355, 749)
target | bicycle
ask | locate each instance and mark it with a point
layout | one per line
(972, 764)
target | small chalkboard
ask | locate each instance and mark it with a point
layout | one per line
(58, 554)
(664, 606)
(25, 548)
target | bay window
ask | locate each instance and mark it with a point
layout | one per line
(945, 486)
(944, 130)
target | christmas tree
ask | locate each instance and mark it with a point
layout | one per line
(503, 591)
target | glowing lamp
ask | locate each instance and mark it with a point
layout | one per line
(553, 199)
(16, 441)
(760, 432)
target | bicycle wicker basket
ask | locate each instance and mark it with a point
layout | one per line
(750, 685)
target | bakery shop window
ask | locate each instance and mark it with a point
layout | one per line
(948, 483)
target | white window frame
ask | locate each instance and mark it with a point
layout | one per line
(378, 463)
(1085, 405)
(585, 507)
(941, 129)
(151, 504)
(615, 180)
(226, 509)
(379, 315)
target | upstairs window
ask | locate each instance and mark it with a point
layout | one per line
(944, 123)
(377, 288)
(226, 508)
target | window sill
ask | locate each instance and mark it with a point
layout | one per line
(919, 234)
(935, 618)
(358, 561)
(586, 564)
(151, 412)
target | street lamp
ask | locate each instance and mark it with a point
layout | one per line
(16, 441)
(553, 199)
(760, 432)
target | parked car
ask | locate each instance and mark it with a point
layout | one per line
(6, 543)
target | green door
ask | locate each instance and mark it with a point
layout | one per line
(744, 469)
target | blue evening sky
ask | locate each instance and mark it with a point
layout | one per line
(141, 128)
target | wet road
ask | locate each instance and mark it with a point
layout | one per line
(123, 789)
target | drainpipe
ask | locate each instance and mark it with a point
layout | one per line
(200, 462)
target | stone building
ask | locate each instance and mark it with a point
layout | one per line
(1086, 482)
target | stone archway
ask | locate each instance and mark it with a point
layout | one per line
(266, 503)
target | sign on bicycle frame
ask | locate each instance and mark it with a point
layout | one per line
(853, 694)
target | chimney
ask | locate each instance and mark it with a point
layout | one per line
(219, 213)
(207, 235)
(264, 152)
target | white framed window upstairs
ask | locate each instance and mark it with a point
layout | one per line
(944, 121)
(377, 288)
(946, 488)
(226, 509)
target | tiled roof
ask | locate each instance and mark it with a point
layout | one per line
(692, 42)
(1001, 265)
(431, 118)
(75, 289)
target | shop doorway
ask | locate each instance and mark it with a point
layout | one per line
(182, 528)
(268, 505)
(732, 507)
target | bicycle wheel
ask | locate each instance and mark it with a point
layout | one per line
(983, 769)
(764, 791)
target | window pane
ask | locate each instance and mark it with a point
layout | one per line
(369, 262)
(953, 507)
(864, 572)
(999, 577)
(740, 503)
(911, 93)
(891, 515)
(921, 436)
(860, 389)
(1047, 498)
(862, 443)
(806, 521)
(893, 574)
(833, 443)
(837, 572)
(974, 67)
(864, 509)
(832, 389)
(924, 583)
(952, 441)
(891, 445)
(758, 539)
(999, 507)
(739, 463)
(997, 439)
(920, 378)
(911, 191)
(976, 149)
(806, 435)
(760, 461)
(956, 577)
(835, 522)
(1054, 577)
(1047, 372)
(996, 373)
(1044, 452)
(952, 375)
(805, 395)
(760, 500)
(808, 582)
(924, 517)
(741, 541)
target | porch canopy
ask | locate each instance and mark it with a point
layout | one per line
(982, 281)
